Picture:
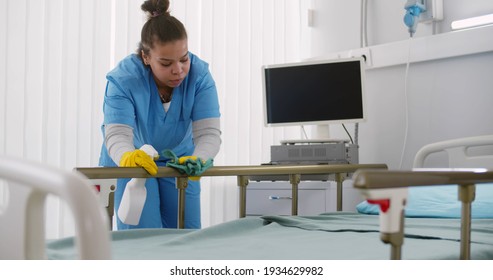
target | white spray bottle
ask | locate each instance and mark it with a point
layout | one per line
(134, 195)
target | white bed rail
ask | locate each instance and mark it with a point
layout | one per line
(22, 234)
(377, 180)
(463, 169)
(457, 151)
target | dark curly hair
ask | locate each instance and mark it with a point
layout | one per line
(160, 27)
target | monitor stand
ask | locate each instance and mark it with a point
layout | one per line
(319, 135)
(313, 141)
(321, 131)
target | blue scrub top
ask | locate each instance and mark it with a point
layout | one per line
(132, 98)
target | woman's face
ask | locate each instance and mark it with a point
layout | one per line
(169, 63)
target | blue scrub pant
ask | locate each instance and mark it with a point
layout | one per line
(161, 206)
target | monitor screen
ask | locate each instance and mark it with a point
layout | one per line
(314, 92)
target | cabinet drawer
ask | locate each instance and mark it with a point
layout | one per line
(278, 202)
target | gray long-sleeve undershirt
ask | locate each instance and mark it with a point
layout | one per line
(206, 137)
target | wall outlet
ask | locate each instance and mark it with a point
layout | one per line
(310, 17)
(365, 53)
(434, 11)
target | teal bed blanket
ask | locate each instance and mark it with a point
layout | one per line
(336, 236)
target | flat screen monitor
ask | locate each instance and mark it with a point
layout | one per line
(314, 92)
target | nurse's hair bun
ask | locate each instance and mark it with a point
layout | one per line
(155, 8)
(160, 27)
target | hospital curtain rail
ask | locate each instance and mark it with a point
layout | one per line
(242, 172)
(466, 179)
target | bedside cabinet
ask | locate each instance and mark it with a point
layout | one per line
(314, 198)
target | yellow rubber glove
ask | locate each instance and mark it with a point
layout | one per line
(183, 159)
(139, 158)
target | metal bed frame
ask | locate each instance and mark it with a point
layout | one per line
(341, 171)
(366, 177)
(465, 178)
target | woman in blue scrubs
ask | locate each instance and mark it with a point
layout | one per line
(163, 96)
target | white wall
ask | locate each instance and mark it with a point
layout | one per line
(337, 23)
(446, 99)
(448, 90)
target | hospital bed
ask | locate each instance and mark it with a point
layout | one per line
(22, 234)
(338, 235)
(389, 190)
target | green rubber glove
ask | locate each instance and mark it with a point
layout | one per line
(191, 165)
